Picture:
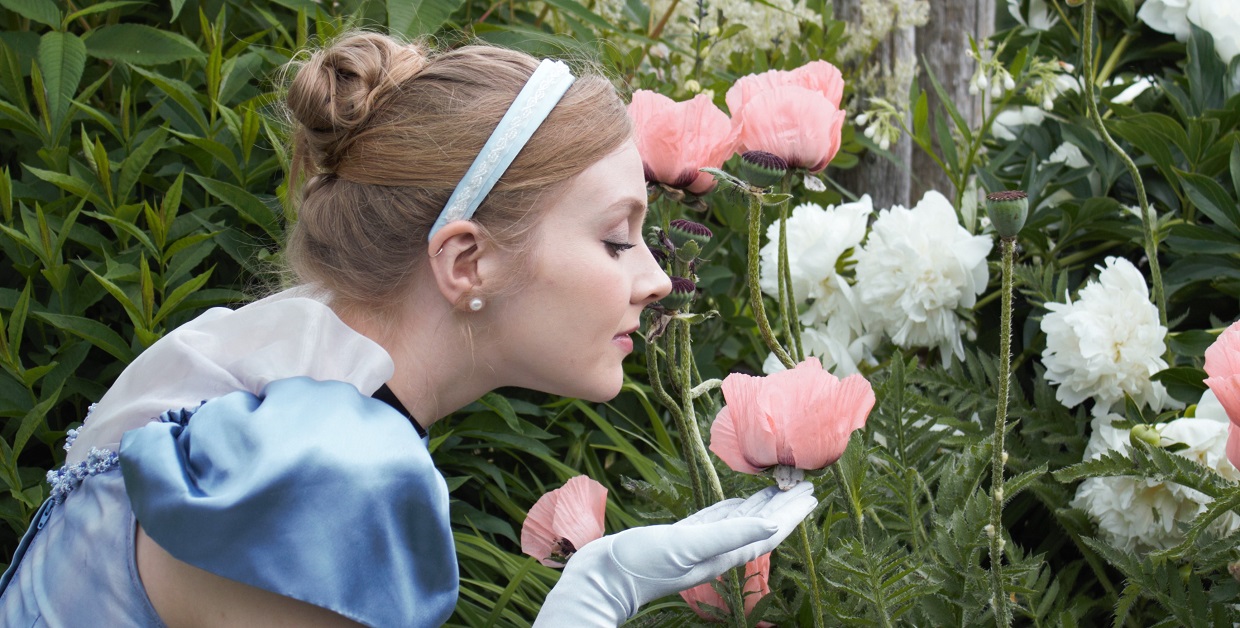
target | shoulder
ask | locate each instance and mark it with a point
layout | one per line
(292, 490)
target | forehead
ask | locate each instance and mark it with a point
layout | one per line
(614, 184)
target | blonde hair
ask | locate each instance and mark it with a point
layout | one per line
(384, 131)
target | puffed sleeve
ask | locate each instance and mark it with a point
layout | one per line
(310, 490)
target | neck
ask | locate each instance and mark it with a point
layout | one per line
(437, 365)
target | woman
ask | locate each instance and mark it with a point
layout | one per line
(467, 220)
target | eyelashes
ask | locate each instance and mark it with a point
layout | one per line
(615, 248)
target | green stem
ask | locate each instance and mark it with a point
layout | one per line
(1147, 229)
(1003, 617)
(792, 321)
(854, 509)
(755, 289)
(656, 384)
(1116, 54)
(815, 599)
(693, 433)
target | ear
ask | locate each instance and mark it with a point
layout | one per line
(456, 251)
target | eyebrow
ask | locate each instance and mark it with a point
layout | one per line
(631, 205)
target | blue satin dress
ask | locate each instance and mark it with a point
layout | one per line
(310, 490)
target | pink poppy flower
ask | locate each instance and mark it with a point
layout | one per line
(675, 139)
(1223, 368)
(793, 114)
(798, 419)
(564, 520)
(757, 585)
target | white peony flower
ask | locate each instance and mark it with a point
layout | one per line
(818, 242)
(1167, 16)
(918, 267)
(1220, 18)
(1109, 342)
(1009, 121)
(1139, 514)
(839, 348)
(1038, 17)
(1068, 154)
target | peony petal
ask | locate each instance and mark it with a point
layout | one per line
(1227, 389)
(574, 511)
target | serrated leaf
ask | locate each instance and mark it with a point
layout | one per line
(41, 11)
(62, 60)
(140, 44)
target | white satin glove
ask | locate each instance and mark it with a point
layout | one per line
(606, 581)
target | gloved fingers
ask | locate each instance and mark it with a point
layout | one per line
(790, 513)
(715, 512)
(779, 501)
(703, 542)
(756, 502)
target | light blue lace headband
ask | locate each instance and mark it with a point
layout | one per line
(539, 96)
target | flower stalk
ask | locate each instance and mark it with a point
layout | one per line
(755, 290)
(1003, 617)
(1147, 229)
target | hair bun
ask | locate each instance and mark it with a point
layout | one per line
(338, 87)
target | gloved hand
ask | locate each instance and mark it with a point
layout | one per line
(606, 581)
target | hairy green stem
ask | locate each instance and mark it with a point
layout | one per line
(755, 289)
(684, 370)
(1003, 617)
(854, 509)
(815, 599)
(788, 297)
(656, 384)
(1147, 229)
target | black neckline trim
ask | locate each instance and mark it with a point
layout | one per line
(386, 395)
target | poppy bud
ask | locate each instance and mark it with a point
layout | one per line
(681, 295)
(682, 231)
(762, 169)
(1008, 211)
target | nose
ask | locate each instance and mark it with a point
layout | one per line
(651, 283)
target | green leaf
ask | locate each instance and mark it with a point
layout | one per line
(72, 185)
(62, 59)
(419, 17)
(97, 8)
(31, 421)
(139, 44)
(1185, 383)
(136, 162)
(180, 93)
(499, 405)
(586, 15)
(1204, 71)
(132, 309)
(250, 207)
(1235, 166)
(182, 291)
(1213, 201)
(92, 331)
(41, 11)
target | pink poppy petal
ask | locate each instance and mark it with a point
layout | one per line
(1223, 356)
(726, 443)
(581, 510)
(791, 398)
(1233, 445)
(757, 586)
(675, 139)
(822, 77)
(574, 511)
(744, 417)
(1227, 389)
(798, 124)
(841, 408)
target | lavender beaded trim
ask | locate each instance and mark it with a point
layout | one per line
(67, 478)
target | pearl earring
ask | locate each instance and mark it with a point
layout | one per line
(476, 304)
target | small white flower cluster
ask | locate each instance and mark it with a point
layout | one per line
(1139, 514)
(1106, 344)
(877, 18)
(881, 122)
(918, 268)
(990, 72)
